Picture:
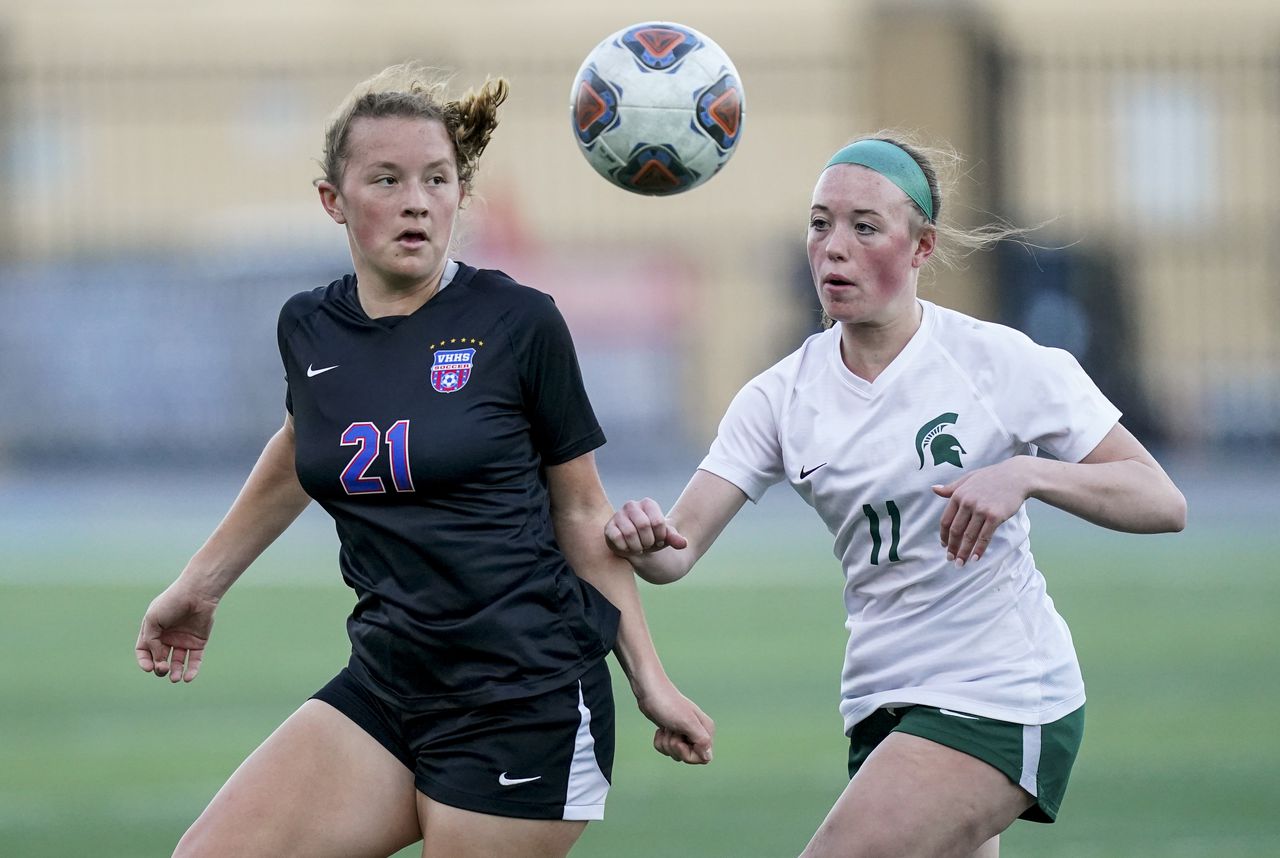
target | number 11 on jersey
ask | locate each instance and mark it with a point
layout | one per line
(895, 531)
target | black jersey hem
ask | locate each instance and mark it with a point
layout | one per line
(352, 699)
(482, 696)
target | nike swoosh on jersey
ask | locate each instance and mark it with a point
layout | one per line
(506, 781)
(959, 715)
(804, 473)
(312, 373)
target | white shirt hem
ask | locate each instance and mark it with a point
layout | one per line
(923, 697)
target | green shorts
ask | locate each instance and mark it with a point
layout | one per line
(1037, 757)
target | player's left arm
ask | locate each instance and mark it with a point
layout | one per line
(579, 511)
(1119, 485)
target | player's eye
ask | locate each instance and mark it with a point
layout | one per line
(385, 181)
(863, 228)
(818, 223)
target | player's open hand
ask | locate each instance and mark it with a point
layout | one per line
(685, 733)
(979, 503)
(175, 631)
(639, 527)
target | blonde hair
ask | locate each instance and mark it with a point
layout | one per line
(416, 91)
(942, 166)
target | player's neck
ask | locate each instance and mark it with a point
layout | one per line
(379, 298)
(868, 348)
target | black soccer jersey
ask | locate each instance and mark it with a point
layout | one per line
(426, 437)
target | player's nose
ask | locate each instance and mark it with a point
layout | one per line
(837, 247)
(416, 200)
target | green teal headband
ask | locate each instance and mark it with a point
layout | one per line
(894, 164)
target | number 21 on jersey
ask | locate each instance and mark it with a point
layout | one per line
(367, 438)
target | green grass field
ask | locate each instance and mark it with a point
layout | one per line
(1177, 636)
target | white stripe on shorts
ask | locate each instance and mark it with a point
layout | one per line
(588, 786)
(1030, 758)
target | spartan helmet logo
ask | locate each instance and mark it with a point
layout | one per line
(943, 445)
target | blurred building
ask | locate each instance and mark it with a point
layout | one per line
(158, 158)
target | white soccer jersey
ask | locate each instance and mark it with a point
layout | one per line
(963, 394)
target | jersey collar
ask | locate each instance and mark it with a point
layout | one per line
(903, 360)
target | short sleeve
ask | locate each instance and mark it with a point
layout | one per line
(747, 450)
(1057, 407)
(561, 419)
(285, 325)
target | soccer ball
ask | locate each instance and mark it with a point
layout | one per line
(657, 108)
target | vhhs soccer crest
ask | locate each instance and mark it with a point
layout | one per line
(451, 369)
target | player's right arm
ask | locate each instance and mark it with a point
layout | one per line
(181, 618)
(663, 548)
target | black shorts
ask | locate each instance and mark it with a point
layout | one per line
(543, 757)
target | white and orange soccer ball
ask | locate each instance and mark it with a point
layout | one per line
(657, 108)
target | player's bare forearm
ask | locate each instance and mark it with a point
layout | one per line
(1119, 485)
(685, 732)
(664, 566)
(1128, 496)
(579, 537)
(271, 499)
(579, 510)
(663, 548)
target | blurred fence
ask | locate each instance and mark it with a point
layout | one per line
(1158, 151)
(159, 209)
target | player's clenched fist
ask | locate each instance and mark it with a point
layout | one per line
(639, 527)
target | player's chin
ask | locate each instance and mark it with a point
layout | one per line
(841, 308)
(411, 267)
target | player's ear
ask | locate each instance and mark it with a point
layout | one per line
(925, 243)
(331, 200)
